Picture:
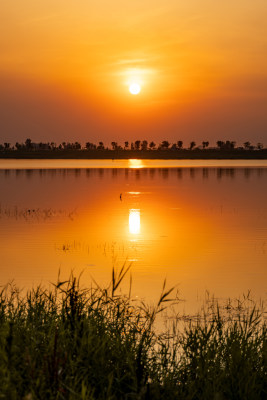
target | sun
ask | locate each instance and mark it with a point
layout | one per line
(134, 88)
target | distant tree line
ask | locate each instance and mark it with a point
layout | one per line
(138, 145)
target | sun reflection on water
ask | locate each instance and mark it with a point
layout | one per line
(134, 221)
(135, 163)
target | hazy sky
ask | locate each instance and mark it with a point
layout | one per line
(66, 67)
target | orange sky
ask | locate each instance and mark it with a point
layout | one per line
(65, 69)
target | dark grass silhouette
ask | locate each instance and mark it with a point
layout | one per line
(76, 343)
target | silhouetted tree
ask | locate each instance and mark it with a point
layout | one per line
(7, 146)
(247, 145)
(114, 145)
(227, 145)
(192, 145)
(165, 145)
(100, 146)
(89, 146)
(132, 146)
(259, 146)
(126, 145)
(152, 145)
(180, 144)
(77, 146)
(28, 144)
(144, 145)
(205, 144)
(233, 144)
(220, 144)
(137, 144)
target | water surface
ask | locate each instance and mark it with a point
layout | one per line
(203, 227)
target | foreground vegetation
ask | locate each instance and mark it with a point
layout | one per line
(73, 343)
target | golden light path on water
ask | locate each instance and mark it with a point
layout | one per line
(134, 221)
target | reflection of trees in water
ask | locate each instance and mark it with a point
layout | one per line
(192, 172)
(152, 172)
(144, 172)
(100, 172)
(179, 173)
(247, 173)
(114, 172)
(165, 173)
(138, 173)
(205, 173)
(226, 172)
(35, 214)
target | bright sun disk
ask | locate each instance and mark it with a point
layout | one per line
(134, 88)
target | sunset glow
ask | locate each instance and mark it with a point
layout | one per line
(79, 65)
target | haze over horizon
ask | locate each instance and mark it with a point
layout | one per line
(66, 67)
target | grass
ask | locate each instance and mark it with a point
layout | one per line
(76, 343)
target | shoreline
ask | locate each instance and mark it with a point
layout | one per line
(184, 154)
(53, 164)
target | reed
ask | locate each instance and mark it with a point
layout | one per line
(74, 343)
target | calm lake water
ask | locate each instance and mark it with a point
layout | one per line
(200, 224)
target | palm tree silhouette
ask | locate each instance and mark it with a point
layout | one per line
(192, 145)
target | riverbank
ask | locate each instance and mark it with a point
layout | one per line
(181, 154)
(74, 343)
